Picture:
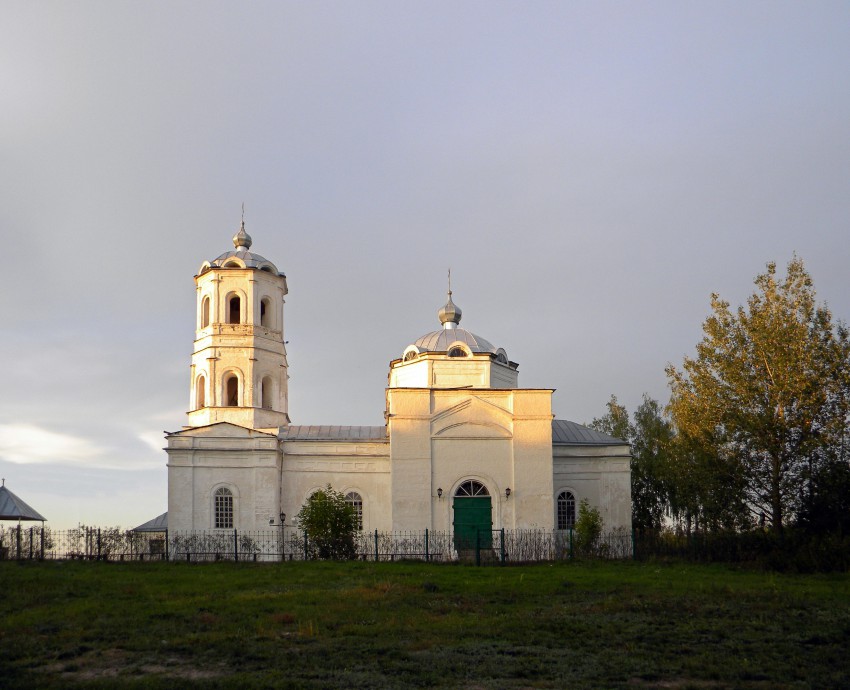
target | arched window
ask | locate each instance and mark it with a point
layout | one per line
(265, 312)
(234, 309)
(457, 351)
(356, 501)
(566, 518)
(201, 392)
(266, 388)
(223, 508)
(205, 312)
(471, 488)
(231, 391)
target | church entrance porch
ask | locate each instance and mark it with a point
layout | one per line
(473, 518)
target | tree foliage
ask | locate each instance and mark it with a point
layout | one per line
(330, 523)
(615, 422)
(652, 469)
(763, 405)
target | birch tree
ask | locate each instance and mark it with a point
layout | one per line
(767, 391)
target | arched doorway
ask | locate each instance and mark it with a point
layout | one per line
(473, 516)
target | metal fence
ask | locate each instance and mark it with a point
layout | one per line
(291, 544)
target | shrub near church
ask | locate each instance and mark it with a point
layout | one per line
(329, 521)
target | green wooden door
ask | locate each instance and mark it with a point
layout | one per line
(473, 522)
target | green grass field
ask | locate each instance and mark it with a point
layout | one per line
(318, 625)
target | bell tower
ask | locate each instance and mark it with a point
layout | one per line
(239, 368)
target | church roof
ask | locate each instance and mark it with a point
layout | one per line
(249, 259)
(321, 432)
(563, 433)
(158, 524)
(240, 256)
(13, 508)
(569, 433)
(439, 341)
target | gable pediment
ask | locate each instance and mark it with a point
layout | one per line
(220, 430)
(472, 418)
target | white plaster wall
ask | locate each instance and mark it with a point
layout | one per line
(414, 374)
(599, 474)
(201, 460)
(410, 457)
(438, 371)
(346, 466)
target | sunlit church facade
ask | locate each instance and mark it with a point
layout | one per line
(460, 444)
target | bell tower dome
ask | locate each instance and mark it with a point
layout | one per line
(239, 367)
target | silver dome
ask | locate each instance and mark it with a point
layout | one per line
(450, 313)
(250, 259)
(240, 257)
(242, 240)
(440, 341)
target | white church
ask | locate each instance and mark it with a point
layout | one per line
(461, 445)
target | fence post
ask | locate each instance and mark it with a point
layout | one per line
(427, 556)
(634, 546)
(166, 544)
(98, 543)
(235, 545)
(42, 541)
(477, 546)
(571, 543)
(19, 542)
(376, 545)
(305, 544)
(502, 543)
(31, 542)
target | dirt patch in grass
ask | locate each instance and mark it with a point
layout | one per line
(117, 663)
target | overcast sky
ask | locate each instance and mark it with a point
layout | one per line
(590, 171)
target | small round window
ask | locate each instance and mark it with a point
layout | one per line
(457, 352)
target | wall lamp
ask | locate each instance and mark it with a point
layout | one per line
(439, 494)
(282, 518)
(507, 493)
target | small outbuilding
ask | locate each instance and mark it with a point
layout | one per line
(13, 508)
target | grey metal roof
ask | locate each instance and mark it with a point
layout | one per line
(439, 341)
(569, 433)
(333, 433)
(242, 244)
(13, 508)
(250, 259)
(158, 524)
